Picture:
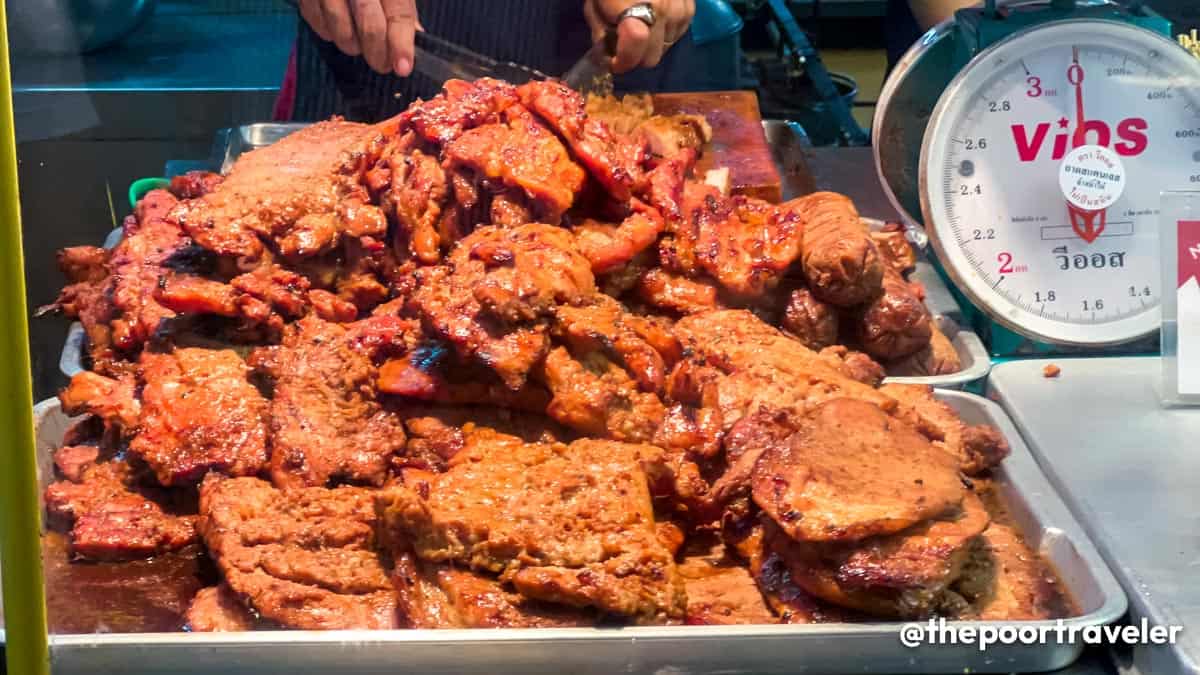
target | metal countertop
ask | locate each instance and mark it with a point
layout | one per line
(1131, 472)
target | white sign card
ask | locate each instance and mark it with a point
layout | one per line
(1179, 235)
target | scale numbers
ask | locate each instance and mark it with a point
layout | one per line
(990, 184)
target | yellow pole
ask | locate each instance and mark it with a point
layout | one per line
(20, 517)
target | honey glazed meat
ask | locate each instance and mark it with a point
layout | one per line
(502, 361)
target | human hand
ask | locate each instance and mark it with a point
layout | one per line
(639, 45)
(381, 31)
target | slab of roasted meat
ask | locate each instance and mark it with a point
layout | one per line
(850, 472)
(197, 412)
(568, 524)
(978, 447)
(200, 413)
(436, 434)
(741, 363)
(434, 595)
(113, 295)
(217, 609)
(498, 291)
(112, 518)
(298, 197)
(720, 589)
(326, 420)
(905, 575)
(303, 558)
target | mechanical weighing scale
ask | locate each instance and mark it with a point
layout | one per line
(1032, 141)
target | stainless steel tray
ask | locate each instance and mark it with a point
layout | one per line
(815, 649)
(1130, 471)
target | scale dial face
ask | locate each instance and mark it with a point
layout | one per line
(990, 177)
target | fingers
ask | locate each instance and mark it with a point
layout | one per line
(595, 21)
(310, 11)
(639, 45)
(371, 23)
(679, 18)
(340, 24)
(402, 24)
(633, 42)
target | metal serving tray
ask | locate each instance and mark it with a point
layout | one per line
(814, 649)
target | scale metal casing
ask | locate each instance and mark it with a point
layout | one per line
(912, 101)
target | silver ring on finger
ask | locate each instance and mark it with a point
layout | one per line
(642, 11)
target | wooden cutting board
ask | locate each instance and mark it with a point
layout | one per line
(738, 140)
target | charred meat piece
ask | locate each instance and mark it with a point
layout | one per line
(790, 603)
(112, 400)
(603, 325)
(746, 244)
(895, 324)
(437, 433)
(904, 575)
(595, 396)
(268, 296)
(417, 196)
(895, 249)
(111, 519)
(300, 194)
(434, 595)
(608, 247)
(740, 364)
(217, 609)
(501, 287)
(115, 302)
(939, 357)
(812, 322)
(978, 447)
(194, 184)
(720, 590)
(83, 264)
(851, 472)
(521, 154)
(200, 413)
(303, 558)
(615, 162)
(327, 423)
(841, 263)
(856, 365)
(567, 524)
(459, 107)
(676, 294)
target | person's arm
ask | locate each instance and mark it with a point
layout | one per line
(380, 30)
(639, 45)
(930, 13)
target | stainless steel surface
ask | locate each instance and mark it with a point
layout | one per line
(230, 144)
(902, 113)
(1129, 470)
(828, 648)
(74, 26)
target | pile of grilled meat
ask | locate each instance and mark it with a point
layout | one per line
(492, 363)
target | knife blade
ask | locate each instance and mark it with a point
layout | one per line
(442, 60)
(592, 73)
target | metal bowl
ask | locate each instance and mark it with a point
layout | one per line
(73, 26)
